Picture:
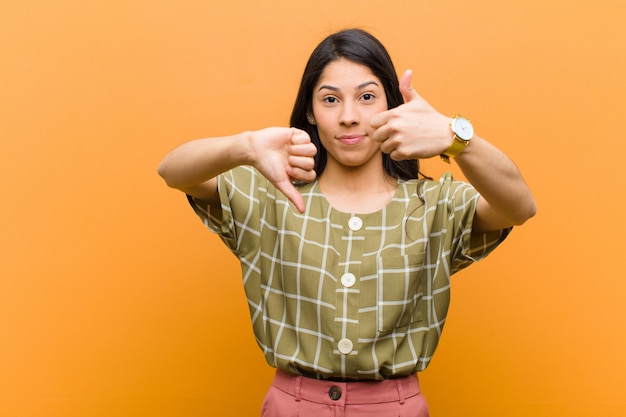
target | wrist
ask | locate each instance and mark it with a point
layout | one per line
(246, 149)
(462, 134)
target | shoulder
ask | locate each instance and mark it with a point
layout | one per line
(445, 189)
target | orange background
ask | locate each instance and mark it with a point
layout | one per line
(114, 299)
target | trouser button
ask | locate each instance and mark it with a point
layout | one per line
(334, 393)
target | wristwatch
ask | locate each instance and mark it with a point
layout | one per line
(463, 132)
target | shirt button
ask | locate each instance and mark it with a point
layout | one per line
(345, 346)
(334, 393)
(355, 223)
(348, 280)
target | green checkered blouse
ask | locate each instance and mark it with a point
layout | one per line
(345, 295)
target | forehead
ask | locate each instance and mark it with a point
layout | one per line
(344, 73)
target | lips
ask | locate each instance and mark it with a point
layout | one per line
(351, 139)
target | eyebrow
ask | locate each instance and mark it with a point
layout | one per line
(358, 87)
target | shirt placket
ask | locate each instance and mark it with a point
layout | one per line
(346, 330)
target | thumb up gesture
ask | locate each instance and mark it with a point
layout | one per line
(413, 130)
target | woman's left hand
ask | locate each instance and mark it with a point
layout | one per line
(413, 130)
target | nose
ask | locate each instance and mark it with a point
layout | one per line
(349, 115)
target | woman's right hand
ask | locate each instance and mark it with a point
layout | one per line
(283, 155)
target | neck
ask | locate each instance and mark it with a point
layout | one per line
(357, 189)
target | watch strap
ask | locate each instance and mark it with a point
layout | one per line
(456, 147)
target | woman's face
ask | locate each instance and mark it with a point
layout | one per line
(345, 99)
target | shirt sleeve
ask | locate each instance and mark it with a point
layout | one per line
(466, 248)
(238, 190)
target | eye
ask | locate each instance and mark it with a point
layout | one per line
(330, 99)
(368, 97)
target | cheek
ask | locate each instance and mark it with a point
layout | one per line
(324, 123)
(369, 116)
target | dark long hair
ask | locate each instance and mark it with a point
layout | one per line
(362, 48)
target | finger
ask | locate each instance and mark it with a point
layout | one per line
(406, 88)
(382, 133)
(303, 162)
(380, 119)
(301, 144)
(388, 146)
(287, 188)
(307, 149)
(299, 137)
(395, 155)
(302, 175)
(388, 138)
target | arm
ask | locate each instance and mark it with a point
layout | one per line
(280, 154)
(193, 166)
(415, 130)
(505, 199)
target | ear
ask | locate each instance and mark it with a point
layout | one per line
(310, 118)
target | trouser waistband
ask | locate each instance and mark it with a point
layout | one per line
(342, 393)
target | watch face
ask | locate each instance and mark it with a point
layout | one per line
(463, 128)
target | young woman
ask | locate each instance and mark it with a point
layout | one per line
(346, 253)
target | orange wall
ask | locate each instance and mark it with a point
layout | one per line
(115, 301)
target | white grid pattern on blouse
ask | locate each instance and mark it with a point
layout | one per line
(388, 322)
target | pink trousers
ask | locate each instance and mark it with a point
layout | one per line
(297, 396)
